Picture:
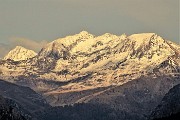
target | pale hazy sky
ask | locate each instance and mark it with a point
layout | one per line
(33, 23)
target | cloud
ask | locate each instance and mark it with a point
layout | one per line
(4, 49)
(24, 42)
(27, 43)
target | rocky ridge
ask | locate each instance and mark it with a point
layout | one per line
(85, 62)
(20, 53)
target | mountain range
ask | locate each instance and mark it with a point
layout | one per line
(129, 74)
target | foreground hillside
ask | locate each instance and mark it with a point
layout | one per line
(8, 111)
(27, 100)
(169, 108)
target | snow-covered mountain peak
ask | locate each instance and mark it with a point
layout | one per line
(19, 47)
(147, 41)
(143, 43)
(20, 53)
(60, 46)
(68, 40)
(108, 59)
(107, 35)
(123, 36)
(142, 37)
(83, 33)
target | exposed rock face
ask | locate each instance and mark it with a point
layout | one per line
(20, 53)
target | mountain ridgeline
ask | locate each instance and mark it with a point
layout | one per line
(127, 75)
